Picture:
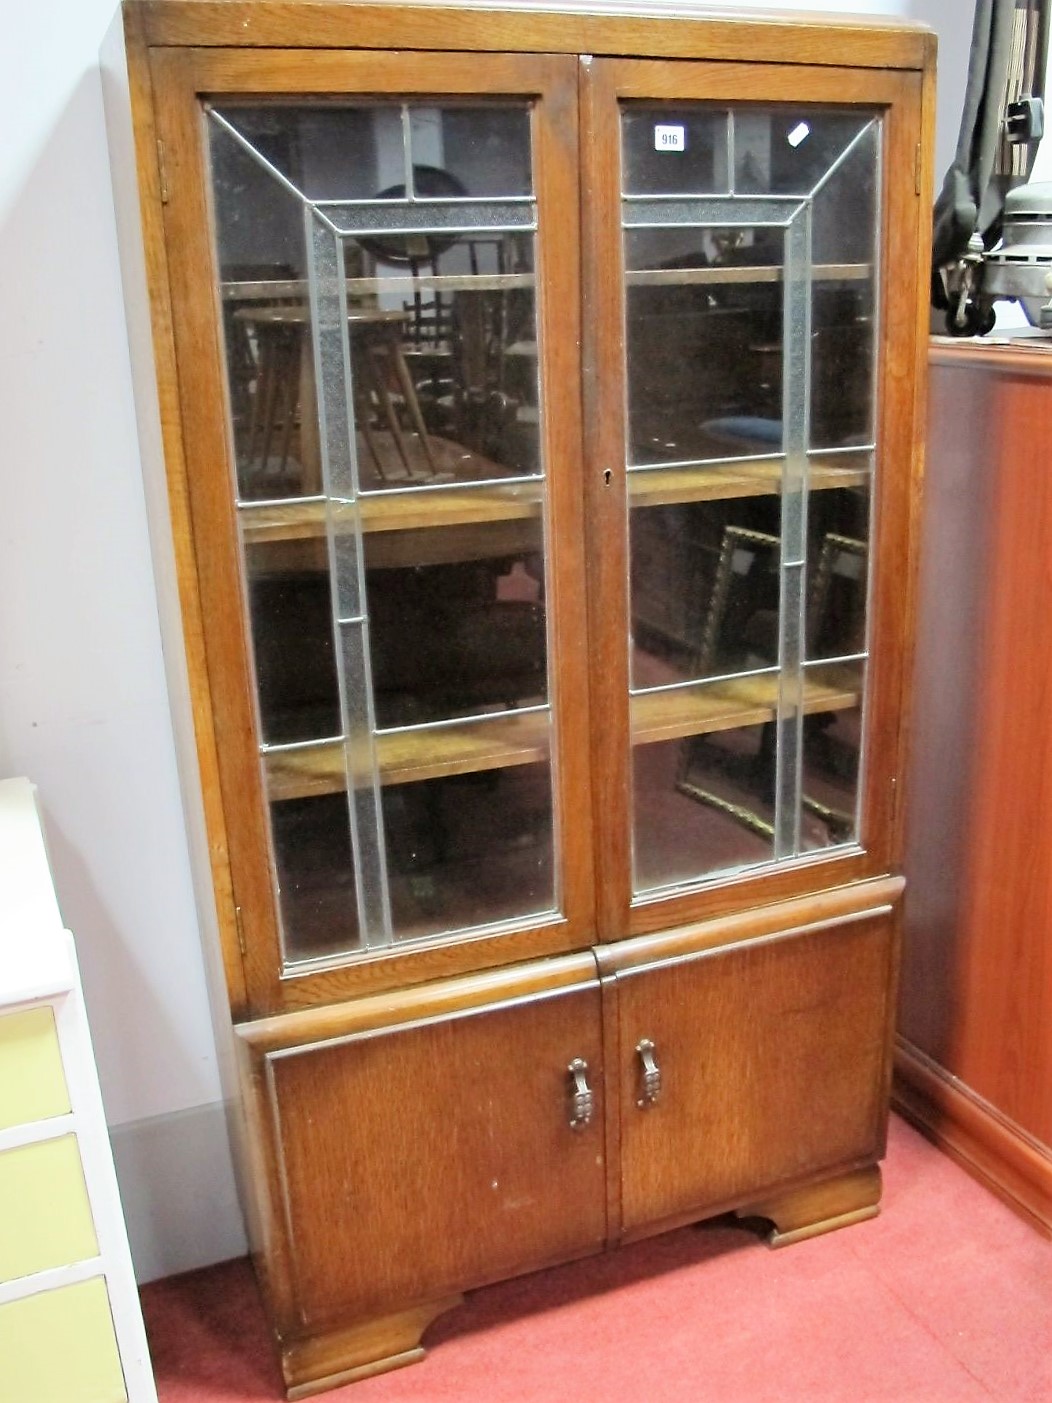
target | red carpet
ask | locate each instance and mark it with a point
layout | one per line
(945, 1298)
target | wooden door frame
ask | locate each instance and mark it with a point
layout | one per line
(904, 104)
(212, 586)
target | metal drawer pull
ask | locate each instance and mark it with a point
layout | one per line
(582, 1100)
(651, 1073)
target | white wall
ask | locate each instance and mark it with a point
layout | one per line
(84, 709)
(83, 703)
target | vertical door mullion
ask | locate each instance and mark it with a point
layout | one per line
(343, 531)
(796, 420)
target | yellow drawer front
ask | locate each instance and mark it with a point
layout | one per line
(45, 1219)
(32, 1083)
(59, 1347)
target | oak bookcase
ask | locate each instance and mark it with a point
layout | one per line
(539, 393)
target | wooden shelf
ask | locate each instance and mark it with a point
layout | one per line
(264, 290)
(496, 742)
(758, 477)
(433, 510)
(725, 706)
(431, 527)
(427, 516)
(441, 282)
(492, 743)
(769, 273)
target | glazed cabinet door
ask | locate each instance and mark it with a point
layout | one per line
(375, 287)
(751, 266)
(411, 1161)
(747, 1067)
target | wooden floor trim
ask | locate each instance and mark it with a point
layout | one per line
(979, 1137)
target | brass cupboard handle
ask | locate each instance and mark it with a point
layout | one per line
(582, 1099)
(651, 1087)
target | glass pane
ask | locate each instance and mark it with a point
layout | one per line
(831, 748)
(787, 150)
(750, 368)
(457, 615)
(838, 568)
(702, 805)
(328, 151)
(482, 151)
(674, 150)
(290, 613)
(690, 291)
(376, 611)
(266, 323)
(314, 876)
(844, 306)
(470, 849)
(443, 357)
(704, 589)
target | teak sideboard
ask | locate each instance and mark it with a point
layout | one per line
(539, 392)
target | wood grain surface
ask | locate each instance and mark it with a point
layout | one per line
(778, 37)
(977, 978)
(772, 1062)
(408, 1110)
(495, 1180)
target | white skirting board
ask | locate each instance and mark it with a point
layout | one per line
(178, 1190)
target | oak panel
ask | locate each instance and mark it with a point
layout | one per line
(977, 984)
(423, 1160)
(905, 242)
(793, 37)
(181, 77)
(773, 1057)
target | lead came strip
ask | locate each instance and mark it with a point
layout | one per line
(344, 539)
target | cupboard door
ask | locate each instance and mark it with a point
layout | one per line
(422, 1160)
(749, 452)
(383, 465)
(772, 1063)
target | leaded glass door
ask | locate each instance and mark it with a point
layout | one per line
(387, 504)
(743, 477)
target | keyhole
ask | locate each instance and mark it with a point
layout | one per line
(607, 475)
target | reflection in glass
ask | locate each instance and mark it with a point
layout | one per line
(326, 150)
(314, 876)
(386, 427)
(290, 613)
(469, 850)
(750, 355)
(702, 805)
(444, 365)
(838, 556)
(690, 291)
(844, 305)
(831, 749)
(674, 150)
(457, 620)
(330, 151)
(704, 589)
(485, 150)
(787, 150)
(262, 264)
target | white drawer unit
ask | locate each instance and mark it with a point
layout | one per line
(70, 1323)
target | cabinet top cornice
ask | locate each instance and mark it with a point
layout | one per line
(657, 28)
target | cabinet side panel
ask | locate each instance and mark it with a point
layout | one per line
(977, 987)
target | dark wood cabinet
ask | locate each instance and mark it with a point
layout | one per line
(539, 403)
(974, 1058)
